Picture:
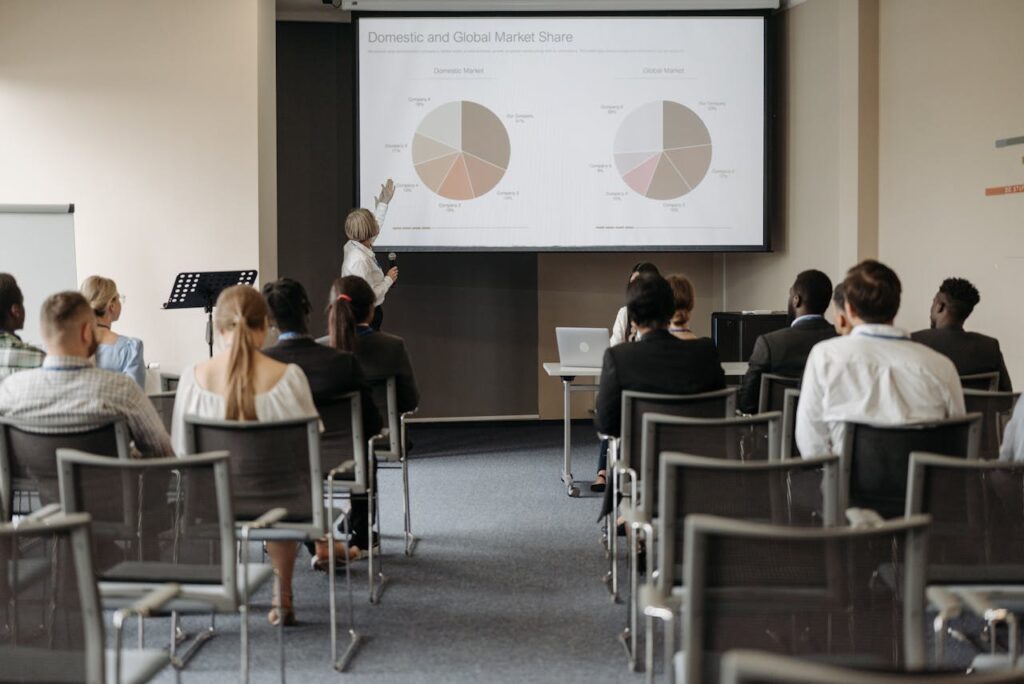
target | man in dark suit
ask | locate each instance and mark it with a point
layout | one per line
(970, 352)
(784, 352)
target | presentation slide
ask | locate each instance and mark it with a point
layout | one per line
(564, 133)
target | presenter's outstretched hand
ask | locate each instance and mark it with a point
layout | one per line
(387, 191)
(393, 273)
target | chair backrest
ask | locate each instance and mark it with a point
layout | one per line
(996, 409)
(385, 397)
(875, 458)
(342, 440)
(49, 605)
(977, 533)
(163, 402)
(745, 438)
(988, 382)
(790, 400)
(169, 382)
(28, 453)
(773, 389)
(716, 404)
(756, 667)
(851, 594)
(798, 492)
(274, 464)
(155, 520)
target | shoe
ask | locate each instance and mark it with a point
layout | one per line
(342, 554)
(599, 483)
(281, 608)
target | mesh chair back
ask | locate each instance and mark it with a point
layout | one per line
(385, 397)
(850, 595)
(987, 382)
(800, 493)
(773, 391)
(28, 453)
(995, 408)
(977, 533)
(342, 440)
(876, 457)
(790, 400)
(750, 438)
(51, 627)
(274, 464)
(163, 402)
(717, 404)
(166, 520)
(169, 382)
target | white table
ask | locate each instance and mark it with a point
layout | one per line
(568, 374)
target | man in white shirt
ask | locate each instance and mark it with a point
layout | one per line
(876, 374)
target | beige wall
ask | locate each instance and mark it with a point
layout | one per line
(147, 116)
(950, 87)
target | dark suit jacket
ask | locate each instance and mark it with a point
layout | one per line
(330, 373)
(382, 355)
(657, 363)
(970, 352)
(781, 352)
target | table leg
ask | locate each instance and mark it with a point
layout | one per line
(567, 480)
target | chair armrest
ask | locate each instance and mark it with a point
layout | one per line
(410, 412)
(47, 511)
(268, 519)
(863, 517)
(144, 607)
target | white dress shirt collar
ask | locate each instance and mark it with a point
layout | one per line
(880, 330)
(806, 317)
(360, 247)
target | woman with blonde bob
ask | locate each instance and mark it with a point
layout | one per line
(118, 353)
(683, 294)
(362, 227)
(239, 382)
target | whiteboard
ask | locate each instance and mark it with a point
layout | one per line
(39, 251)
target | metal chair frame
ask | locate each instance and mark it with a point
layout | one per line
(992, 377)
(156, 398)
(397, 453)
(992, 421)
(790, 400)
(764, 392)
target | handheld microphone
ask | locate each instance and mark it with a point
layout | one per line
(392, 262)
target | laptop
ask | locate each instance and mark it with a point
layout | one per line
(581, 347)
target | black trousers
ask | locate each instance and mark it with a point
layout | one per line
(378, 318)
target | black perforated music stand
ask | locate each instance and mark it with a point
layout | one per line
(195, 290)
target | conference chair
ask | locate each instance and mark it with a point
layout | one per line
(169, 382)
(163, 402)
(875, 458)
(790, 400)
(996, 409)
(715, 404)
(276, 464)
(394, 437)
(51, 616)
(798, 492)
(28, 456)
(850, 595)
(988, 382)
(164, 520)
(976, 542)
(772, 393)
(758, 667)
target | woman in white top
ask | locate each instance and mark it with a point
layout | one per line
(622, 330)
(118, 353)
(361, 228)
(241, 383)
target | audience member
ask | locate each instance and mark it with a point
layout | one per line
(15, 355)
(622, 329)
(685, 299)
(876, 374)
(657, 362)
(361, 228)
(1012, 448)
(380, 355)
(69, 386)
(241, 383)
(842, 324)
(784, 352)
(970, 352)
(118, 353)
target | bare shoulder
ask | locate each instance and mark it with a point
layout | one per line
(268, 373)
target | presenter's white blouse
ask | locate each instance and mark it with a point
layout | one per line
(289, 398)
(360, 261)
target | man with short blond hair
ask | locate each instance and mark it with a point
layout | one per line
(68, 386)
(15, 355)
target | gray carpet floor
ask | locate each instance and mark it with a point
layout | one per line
(504, 586)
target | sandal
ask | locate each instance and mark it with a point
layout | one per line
(342, 554)
(281, 607)
(599, 483)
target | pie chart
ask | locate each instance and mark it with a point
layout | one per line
(461, 150)
(662, 150)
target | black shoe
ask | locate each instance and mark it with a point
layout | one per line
(597, 486)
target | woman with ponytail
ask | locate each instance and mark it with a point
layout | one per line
(239, 382)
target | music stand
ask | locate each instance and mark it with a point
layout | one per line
(195, 290)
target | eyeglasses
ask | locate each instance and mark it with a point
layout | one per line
(121, 298)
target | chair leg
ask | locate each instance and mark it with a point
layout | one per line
(634, 575)
(613, 541)
(340, 663)
(670, 645)
(410, 540)
(649, 649)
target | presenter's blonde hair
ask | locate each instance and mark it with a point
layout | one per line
(100, 292)
(361, 224)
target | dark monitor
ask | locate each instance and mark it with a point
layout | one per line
(735, 332)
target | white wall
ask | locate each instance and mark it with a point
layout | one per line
(146, 116)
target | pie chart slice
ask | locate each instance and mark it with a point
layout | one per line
(461, 150)
(662, 150)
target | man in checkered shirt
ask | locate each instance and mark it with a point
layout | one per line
(70, 387)
(15, 355)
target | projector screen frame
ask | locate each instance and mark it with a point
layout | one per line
(768, 114)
